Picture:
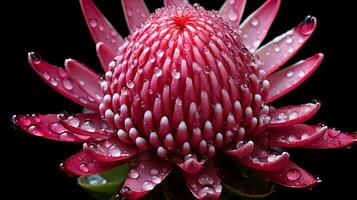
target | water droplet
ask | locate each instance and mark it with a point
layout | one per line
(124, 190)
(232, 15)
(293, 174)
(57, 128)
(293, 115)
(205, 179)
(73, 121)
(154, 171)
(160, 53)
(155, 179)
(67, 84)
(305, 136)
(62, 73)
(53, 82)
(130, 84)
(254, 22)
(196, 6)
(133, 174)
(64, 135)
(84, 168)
(93, 22)
(277, 49)
(232, 2)
(95, 179)
(289, 40)
(256, 43)
(291, 49)
(147, 186)
(292, 138)
(290, 74)
(46, 76)
(301, 74)
(206, 191)
(271, 158)
(157, 71)
(114, 151)
(175, 74)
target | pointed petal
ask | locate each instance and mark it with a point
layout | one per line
(88, 124)
(290, 115)
(205, 184)
(297, 135)
(289, 78)
(333, 139)
(46, 126)
(265, 160)
(99, 26)
(256, 26)
(85, 78)
(232, 12)
(60, 81)
(143, 178)
(291, 175)
(135, 12)
(241, 149)
(112, 150)
(175, 2)
(105, 55)
(277, 52)
(84, 163)
(191, 164)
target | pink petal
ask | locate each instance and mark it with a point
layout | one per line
(291, 175)
(298, 135)
(99, 26)
(205, 184)
(277, 52)
(46, 126)
(135, 12)
(88, 124)
(265, 160)
(105, 55)
(241, 149)
(292, 114)
(256, 26)
(112, 150)
(333, 139)
(175, 2)
(148, 173)
(60, 81)
(289, 78)
(232, 12)
(85, 78)
(84, 163)
(190, 164)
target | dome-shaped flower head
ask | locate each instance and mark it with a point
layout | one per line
(186, 87)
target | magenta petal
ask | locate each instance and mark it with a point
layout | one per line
(84, 163)
(46, 126)
(112, 150)
(292, 114)
(256, 26)
(289, 78)
(89, 124)
(333, 139)
(206, 183)
(291, 175)
(148, 173)
(190, 164)
(85, 78)
(277, 52)
(232, 12)
(175, 2)
(241, 150)
(135, 12)
(105, 55)
(99, 26)
(298, 135)
(265, 160)
(61, 81)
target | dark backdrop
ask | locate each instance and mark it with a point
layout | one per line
(57, 30)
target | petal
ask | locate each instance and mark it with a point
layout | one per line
(241, 149)
(99, 26)
(175, 2)
(232, 12)
(277, 52)
(85, 78)
(105, 55)
(135, 12)
(191, 164)
(256, 26)
(112, 150)
(290, 115)
(205, 184)
(46, 126)
(291, 175)
(148, 173)
(60, 81)
(84, 163)
(289, 78)
(333, 139)
(88, 124)
(265, 160)
(297, 135)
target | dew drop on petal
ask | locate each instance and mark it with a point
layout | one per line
(232, 15)
(133, 174)
(93, 22)
(53, 82)
(157, 71)
(292, 138)
(205, 179)
(114, 151)
(254, 22)
(277, 49)
(289, 40)
(130, 84)
(293, 174)
(57, 128)
(46, 75)
(147, 186)
(155, 179)
(175, 74)
(154, 171)
(67, 84)
(84, 168)
(301, 74)
(290, 74)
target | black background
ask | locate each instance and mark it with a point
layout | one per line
(56, 29)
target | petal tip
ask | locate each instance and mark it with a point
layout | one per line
(307, 26)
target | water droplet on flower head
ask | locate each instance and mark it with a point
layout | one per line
(293, 174)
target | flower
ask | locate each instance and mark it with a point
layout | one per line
(186, 85)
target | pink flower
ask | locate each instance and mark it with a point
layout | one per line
(185, 85)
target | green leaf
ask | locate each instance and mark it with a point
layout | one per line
(106, 183)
